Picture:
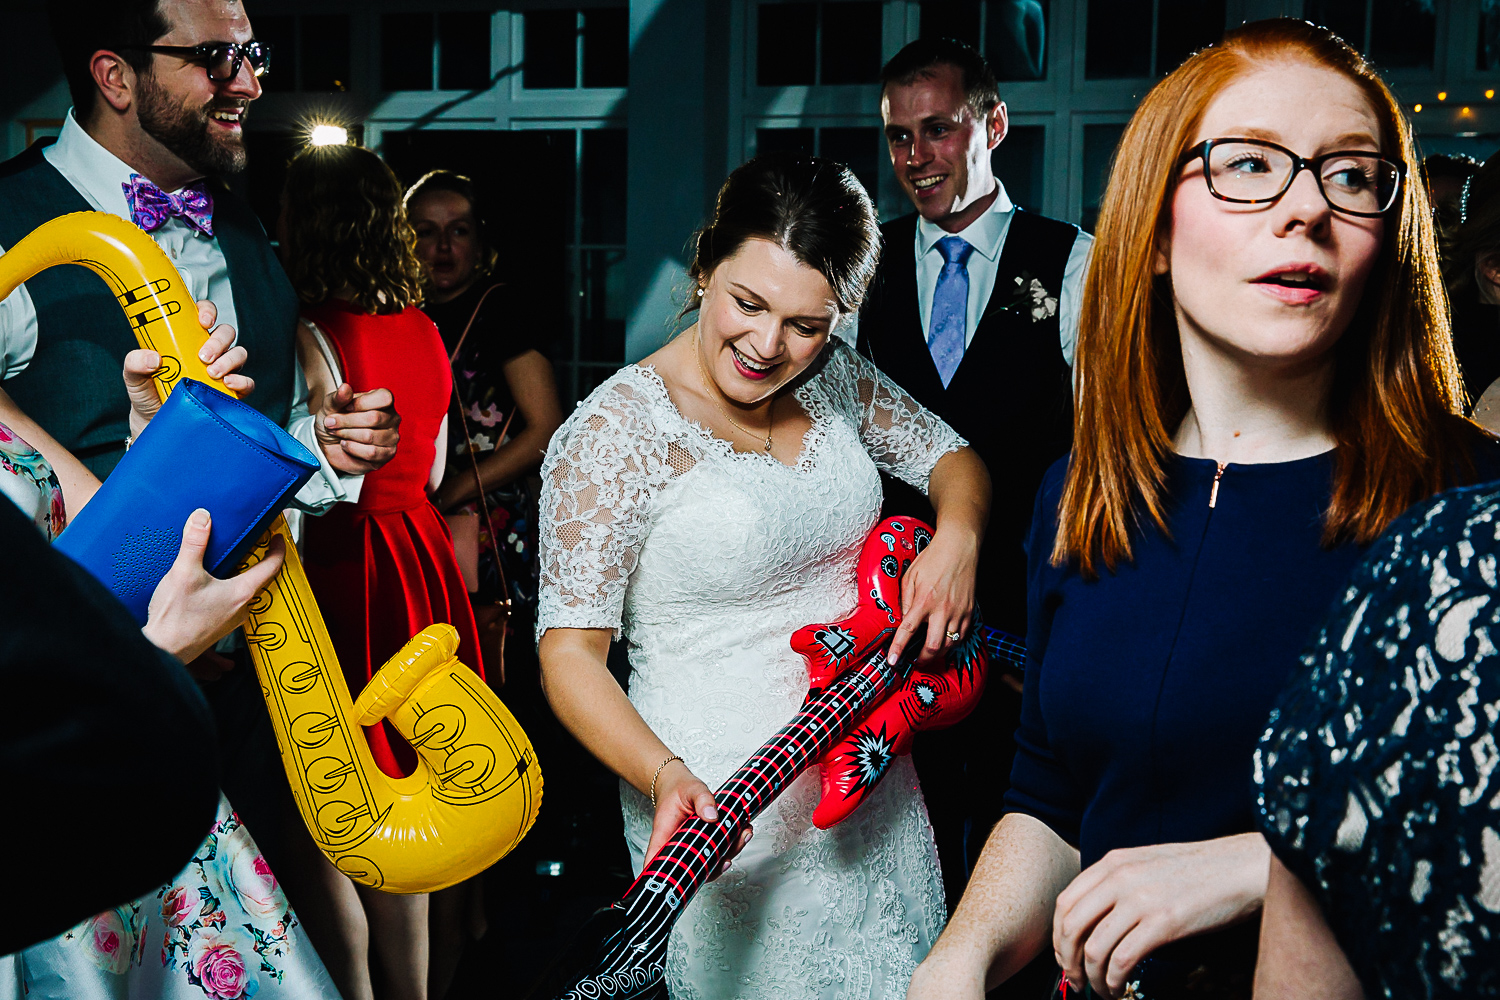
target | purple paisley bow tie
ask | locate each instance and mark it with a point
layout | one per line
(151, 207)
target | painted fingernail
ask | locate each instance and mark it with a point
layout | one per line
(711, 814)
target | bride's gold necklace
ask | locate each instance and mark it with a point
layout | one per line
(713, 395)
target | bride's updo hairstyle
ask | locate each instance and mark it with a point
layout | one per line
(812, 208)
(1396, 392)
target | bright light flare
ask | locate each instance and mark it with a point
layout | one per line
(329, 135)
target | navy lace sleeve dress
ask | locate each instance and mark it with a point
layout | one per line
(1378, 778)
(1147, 689)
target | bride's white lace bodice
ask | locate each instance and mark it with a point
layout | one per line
(706, 560)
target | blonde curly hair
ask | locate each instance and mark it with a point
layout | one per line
(346, 228)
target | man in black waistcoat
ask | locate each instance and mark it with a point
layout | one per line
(974, 312)
(160, 90)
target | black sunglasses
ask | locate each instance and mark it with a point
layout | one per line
(222, 60)
(1254, 171)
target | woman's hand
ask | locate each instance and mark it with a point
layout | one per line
(224, 360)
(679, 797)
(358, 431)
(938, 591)
(191, 609)
(1135, 900)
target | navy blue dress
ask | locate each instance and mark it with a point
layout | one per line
(1147, 688)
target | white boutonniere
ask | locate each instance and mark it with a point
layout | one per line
(1032, 295)
(1043, 306)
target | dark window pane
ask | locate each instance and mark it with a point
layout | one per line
(606, 47)
(603, 178)
(1016, 39)
(1489, 36)
(1099, 142)
(280, 32)
(1019, 162)
(782, 140)
(859, 149)
(325, 52)
(268, 155)
(1119, 39)
(551, 57)
(951, 19)
(851, 42)
(1345, 18)
(1183, 27)
(787, 45)
(604, 305)
(406, 52)
(1403, 34)
(464, 51)
(590, 377)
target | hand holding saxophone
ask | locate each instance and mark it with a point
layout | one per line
(224, 361)
(191, 609)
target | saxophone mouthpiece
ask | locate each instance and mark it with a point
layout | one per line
(430, 649)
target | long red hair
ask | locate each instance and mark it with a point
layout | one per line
(1395, 383)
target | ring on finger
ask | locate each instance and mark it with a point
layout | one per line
(954, 636)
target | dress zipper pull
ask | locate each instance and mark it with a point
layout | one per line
(1213, 494)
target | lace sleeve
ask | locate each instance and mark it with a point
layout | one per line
(904, 438)
(602, 468)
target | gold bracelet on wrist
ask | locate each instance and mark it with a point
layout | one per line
(659, 769)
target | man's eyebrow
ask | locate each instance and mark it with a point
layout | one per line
(929, 120)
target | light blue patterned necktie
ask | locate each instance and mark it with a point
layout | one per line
(948, 323)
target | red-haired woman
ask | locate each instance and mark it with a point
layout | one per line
(1265, 380)
(384, 567)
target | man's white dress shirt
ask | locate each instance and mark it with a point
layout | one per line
(99, 176)
(987, 236)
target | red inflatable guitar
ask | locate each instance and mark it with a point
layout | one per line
(924, 700)
(860, 713)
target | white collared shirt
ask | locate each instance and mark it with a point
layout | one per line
(99, 176)
(986, 235)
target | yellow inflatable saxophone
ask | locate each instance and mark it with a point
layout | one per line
(477, 788)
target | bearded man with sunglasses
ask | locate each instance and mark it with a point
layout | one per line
(160, 91)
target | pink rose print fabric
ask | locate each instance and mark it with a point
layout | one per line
(221, 930)
(28, 481)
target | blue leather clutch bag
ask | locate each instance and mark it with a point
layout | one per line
(202, 449)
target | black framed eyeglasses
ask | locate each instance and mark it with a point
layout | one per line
(222, 60)
(1254, 171)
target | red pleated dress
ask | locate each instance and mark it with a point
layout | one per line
(383, 569)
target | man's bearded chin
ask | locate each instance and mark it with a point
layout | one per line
(189, 134)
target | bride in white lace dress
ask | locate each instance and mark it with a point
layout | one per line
(705, 504)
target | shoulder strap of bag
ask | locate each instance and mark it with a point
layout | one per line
(484, 504)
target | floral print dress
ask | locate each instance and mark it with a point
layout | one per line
(221, 930)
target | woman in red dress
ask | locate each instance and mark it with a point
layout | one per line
(383, 567)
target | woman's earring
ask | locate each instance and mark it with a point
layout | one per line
(700, 293)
